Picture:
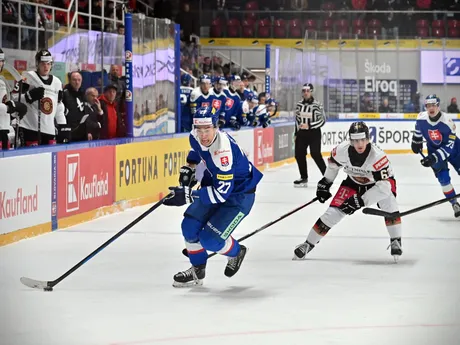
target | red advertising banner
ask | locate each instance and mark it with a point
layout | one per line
(264, 139)
(85, 180)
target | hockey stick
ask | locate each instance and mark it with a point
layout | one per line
(48, 285)
(185, 253)
(377, 212)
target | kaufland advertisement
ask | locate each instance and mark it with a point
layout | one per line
(25, 192)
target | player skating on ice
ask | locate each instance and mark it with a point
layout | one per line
(442, 143)
(226, 196)
(369, 181)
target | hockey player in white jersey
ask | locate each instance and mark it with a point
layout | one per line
(43, 94)
(369, 181)
(7, 108)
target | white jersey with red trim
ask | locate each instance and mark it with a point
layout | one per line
(376, 161)
(50, 107)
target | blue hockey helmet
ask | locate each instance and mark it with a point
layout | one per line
(205, 116)
(185, 79)
(223, 81)
(432, 99)
(205, 79)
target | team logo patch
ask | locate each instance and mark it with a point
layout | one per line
(216, 104)
(229, 103)
(224, 161)
(435, 136)
(381, 163)
(5, 99)
(46, 105)
(205, 104)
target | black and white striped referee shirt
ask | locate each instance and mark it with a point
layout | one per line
(309, 114)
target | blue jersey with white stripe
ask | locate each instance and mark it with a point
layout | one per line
(440, 136)
(227, 166)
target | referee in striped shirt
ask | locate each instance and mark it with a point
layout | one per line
(309, 120)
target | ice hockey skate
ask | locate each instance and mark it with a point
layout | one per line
(234, 263)
(192, 277)
(456, 208)
(396, 248)
(302, 250)
(301, 183)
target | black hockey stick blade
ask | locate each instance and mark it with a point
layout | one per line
(376, 212)
(48, 285)
(185, 253)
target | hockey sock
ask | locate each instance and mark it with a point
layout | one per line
(318, 231)
(231, 247)
(196, 253)
(394, 227)
(449, 192)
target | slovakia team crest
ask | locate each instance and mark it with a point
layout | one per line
(435, 136)
(224, 161)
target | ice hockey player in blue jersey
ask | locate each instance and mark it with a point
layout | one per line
(218, 90)
(233, 110)
(186, 114)
(442, 143)
(203, 96)
(226, 196)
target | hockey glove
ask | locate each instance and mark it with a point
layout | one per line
(180, 196)
(16, 107)
(429, 161)
(187, 177)
(221, 122)
(352, 204)
(234, 123)
(322, 190)
(35, 94)
(417, 144)
(64, 134)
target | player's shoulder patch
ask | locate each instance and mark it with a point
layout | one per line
(381, 163)
(196, 92)
(221, 152)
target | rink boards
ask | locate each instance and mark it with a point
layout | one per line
(50, 188)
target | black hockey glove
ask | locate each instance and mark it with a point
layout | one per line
(35, 94)
(16, 107)
(417, 144)
(322, 190)
(221, 122)
(180, 196)
(429, 161)
(64, 134)
(234, 123)
(352, 204)
(187, 177)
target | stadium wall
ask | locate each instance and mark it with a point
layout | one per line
(44, 189)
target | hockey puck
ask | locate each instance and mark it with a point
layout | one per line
(185, 252)
(48, 288)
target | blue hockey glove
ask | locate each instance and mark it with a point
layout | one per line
(187, 177)
(429, 161)
(180, 196)
(322, 190)
(417, 145)
(352, 204)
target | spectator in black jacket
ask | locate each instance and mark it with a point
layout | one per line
(77, 114)
(385, 107)
(453, 107)
(94, 110)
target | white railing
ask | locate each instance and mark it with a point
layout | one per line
(34, 26)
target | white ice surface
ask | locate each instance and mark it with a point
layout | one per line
(348, 292)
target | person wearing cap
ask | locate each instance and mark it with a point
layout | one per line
(112, 124)
(310, 118)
